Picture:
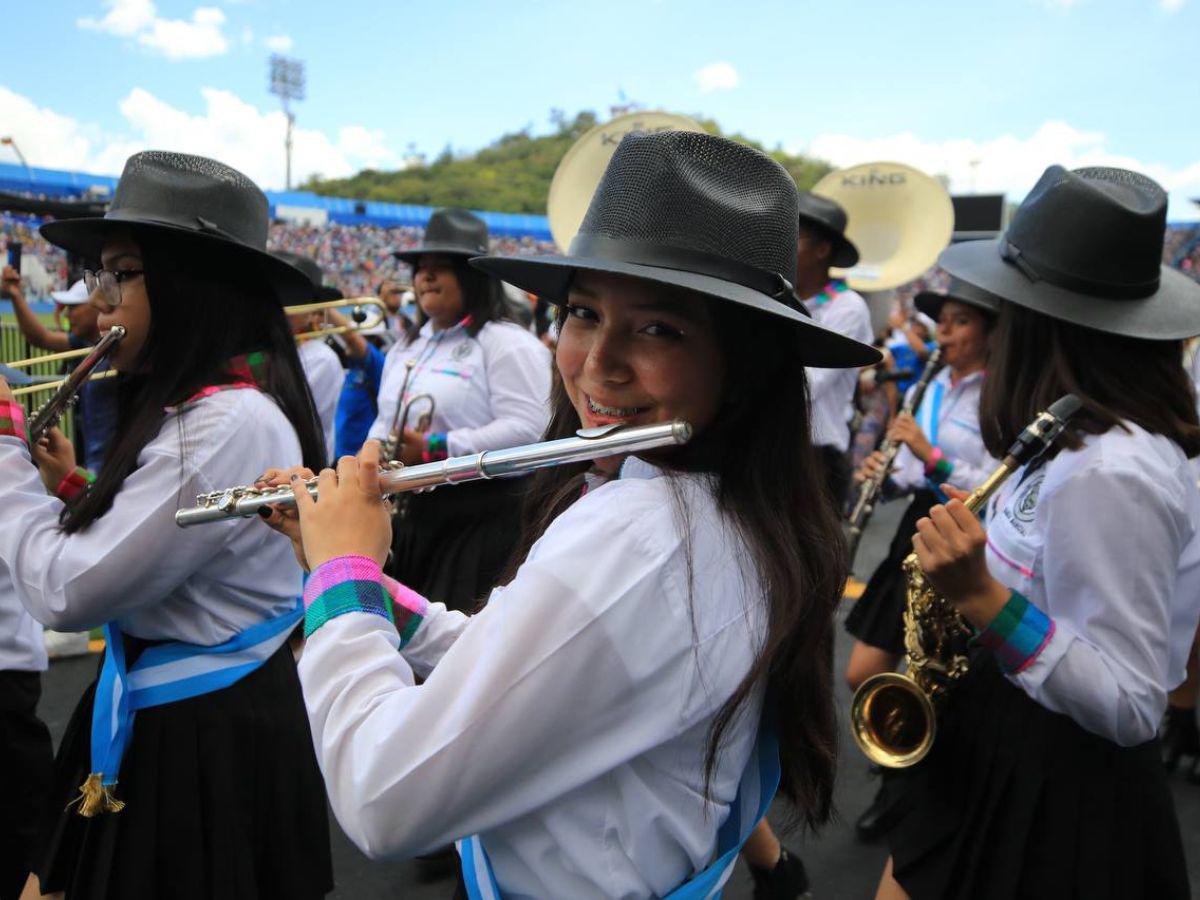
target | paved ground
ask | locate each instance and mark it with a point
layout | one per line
(840, 866)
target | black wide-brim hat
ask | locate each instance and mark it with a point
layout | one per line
(206, 206)
(311, 271)
(450, 232)
(1086, 248)
(828, 217)
(931, 302)
(697, 212)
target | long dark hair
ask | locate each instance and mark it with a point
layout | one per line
(1035, 359)
(483, 299)
(205, 309)
(766, 476)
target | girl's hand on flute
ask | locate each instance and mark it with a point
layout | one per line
(284, 519)
(54, 456)
(351, 516)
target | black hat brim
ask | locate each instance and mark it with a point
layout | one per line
(410, 256)
(931, 302)
(1171, 313)
(87, 237)
(550, 277)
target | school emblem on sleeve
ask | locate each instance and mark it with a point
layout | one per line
(1021, 510)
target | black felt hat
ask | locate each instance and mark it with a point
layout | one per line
(312, 272)
(696, 212)
(931, 302)
(828, 217)
(451, 232)
(1086, 247)
(205, 204)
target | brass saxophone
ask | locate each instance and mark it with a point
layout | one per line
(869, 492)
(894, 717)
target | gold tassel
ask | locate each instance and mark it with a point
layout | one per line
(95, 798)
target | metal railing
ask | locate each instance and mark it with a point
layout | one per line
(14, 346)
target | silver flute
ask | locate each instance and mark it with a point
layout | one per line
(588, 443)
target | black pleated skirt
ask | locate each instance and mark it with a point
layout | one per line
(1015, 801)
(877, 616)
(26, 767)
(452, 544)
(223, 799)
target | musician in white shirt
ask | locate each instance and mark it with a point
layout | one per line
(194, 776)
(589, 727)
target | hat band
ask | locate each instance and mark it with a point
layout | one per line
(698, 262)
(1011, 253)
(190, 223)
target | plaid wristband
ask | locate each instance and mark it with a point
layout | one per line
(938, 469)
(408, 608)
(12, 420)
(341, 585)
(74, 484)
(1018, 634)
(436, 447)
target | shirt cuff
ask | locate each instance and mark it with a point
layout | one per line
(1018, 634)
(938, 468)
(356, 584)
(12, 420)
(74, 484)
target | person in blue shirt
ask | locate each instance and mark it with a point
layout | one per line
(357, 405)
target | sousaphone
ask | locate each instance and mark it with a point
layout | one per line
(579, 172)
(899, 218)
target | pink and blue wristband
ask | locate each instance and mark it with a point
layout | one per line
(1018, 634)
(356, 584)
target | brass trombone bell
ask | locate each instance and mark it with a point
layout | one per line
(892, 720)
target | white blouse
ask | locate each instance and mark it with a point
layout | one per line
(491, 391)
(832, 390)
(1104, 541)
(325, 375)
(22, 643)
(202, 585)
(567, 722)
(958, 435)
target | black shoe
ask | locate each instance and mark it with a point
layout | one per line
(1181, 737)
(787, 881)
(877, 819)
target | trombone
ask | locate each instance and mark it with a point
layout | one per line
(361, 321)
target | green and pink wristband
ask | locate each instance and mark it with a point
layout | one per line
(355, 583)
(12, 420)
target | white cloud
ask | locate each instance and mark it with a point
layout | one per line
(196, 38)
(718, 76)
(228, 129)
(280, 43)
(1171, 6)
(1007, 163)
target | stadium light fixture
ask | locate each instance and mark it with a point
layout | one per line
(8, 141)
(287, 83)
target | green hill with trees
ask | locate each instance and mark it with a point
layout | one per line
(512, 174)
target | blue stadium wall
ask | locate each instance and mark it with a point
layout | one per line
(54, 183)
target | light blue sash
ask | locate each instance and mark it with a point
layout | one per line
(755, 793)
(930, 413)
(164, 673)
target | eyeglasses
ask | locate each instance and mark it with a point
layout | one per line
(109, 282)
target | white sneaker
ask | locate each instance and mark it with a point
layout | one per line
(60, 644)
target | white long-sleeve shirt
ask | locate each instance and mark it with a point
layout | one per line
(325, 375)
(22, 644)
(202, 585)
(832, 390)
(567, 722)
(492, 390)
(957, 435)
(1104, 541)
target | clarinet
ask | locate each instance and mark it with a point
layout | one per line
(588, 444)
(52, 410)
(869, 492)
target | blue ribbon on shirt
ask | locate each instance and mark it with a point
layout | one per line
(164, 673)
(756, 790)
(929, 421)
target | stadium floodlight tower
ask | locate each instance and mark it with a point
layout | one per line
(287, 83)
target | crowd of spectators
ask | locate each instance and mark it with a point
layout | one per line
(357, 258)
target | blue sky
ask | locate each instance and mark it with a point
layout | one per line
(987, 93)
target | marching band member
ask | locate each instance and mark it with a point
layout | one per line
(823, 244)
(942, 444)
(322, 367)
(187, 769)
(489, 380)
(663, 605)
(1045, 779)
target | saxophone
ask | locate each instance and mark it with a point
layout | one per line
(894, 717)
(869, 492)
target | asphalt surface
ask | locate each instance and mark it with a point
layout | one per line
(839, 866)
